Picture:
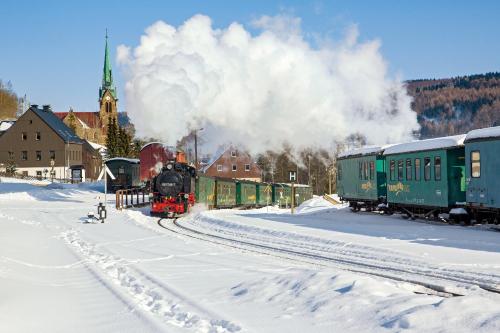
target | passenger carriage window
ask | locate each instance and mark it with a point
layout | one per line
(400, 170)
(393, 169)
(366, 170)
(360, 170)
(417, 169)
(339, 172)
(475, 161)
(427, 168)
(372, 170)
(437, 168)
(408, 169)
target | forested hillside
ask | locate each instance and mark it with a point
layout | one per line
(457, 105)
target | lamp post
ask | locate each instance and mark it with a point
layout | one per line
(196, 147)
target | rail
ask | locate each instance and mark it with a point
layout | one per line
(135, 197)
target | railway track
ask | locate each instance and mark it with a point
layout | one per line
(356, 266)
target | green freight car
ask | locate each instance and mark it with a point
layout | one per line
(246, 193)
(283, 194)
(426, 177)
(361, 177)
(225, 193)
(264, 194)
(302, 193)
(205, 190)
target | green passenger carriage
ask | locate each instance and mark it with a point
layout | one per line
(426, 177)
(361, 177)
(482, 147)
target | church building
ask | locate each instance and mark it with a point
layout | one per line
(92, 126)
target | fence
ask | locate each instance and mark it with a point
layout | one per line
(135, 197)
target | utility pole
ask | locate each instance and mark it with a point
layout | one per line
(309, 170)
(196, 147)
(195, 150)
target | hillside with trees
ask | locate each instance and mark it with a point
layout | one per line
(8, 101)
(456, 105)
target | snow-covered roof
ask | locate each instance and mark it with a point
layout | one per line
(5, 125)
(220, 151)
(159, 143)
(429, 144)
(483, 133)
(131, 160)
(96, 145)
(366, 150)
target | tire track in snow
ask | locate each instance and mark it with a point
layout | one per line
(167, 305)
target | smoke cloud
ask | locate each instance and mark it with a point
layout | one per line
(261, 91)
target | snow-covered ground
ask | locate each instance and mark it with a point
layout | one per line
(59, 274)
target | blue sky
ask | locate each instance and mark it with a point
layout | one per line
(53, 50)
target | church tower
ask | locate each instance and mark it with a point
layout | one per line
(107, 92)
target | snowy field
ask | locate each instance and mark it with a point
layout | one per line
(59, 274)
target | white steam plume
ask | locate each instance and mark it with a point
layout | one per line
(261, 91)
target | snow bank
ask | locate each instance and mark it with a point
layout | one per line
(429, 144)
(483, 133)
(316, 204)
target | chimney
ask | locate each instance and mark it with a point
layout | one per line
(34, 106)
(47, 108)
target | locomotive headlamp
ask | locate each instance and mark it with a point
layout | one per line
(169, 166)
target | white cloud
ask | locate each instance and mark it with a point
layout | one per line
(263, 90)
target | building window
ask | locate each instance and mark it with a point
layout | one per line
(24, 136)
(39, 174)
(219, 167)
(393, 169)
(234, 167)
(38, 155)
(408, 169)
(400, 170)
(24, 155)
(437, 168)
(417, 169)
(427, 168)
(247, 167)
(38, 136)
(52, 154)
(475, 164)
(11, 155)
(233, 153)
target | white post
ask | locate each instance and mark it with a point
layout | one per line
(105, 184)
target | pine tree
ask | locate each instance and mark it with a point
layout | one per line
(112, 139)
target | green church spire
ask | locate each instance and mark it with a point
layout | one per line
(107, 75)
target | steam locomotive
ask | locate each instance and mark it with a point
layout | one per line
(172, 189)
